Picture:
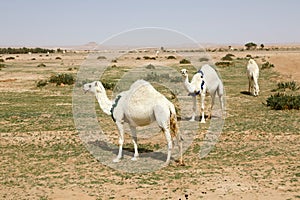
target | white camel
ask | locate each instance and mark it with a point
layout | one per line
(253, 74)
(139, 106)
(205, 80)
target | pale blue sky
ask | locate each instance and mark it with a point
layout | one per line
(67, 22)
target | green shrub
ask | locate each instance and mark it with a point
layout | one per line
(224, 64)
(171, 57)
(108, 84)
(42, 83)
(185, 61)
(267, 65)
(2, 66)
(287, 85)
(41, 65)
(10, 58)
(203, 59)
(149, 58)
(59, 79)
(101, 58)
(1, 60)
(228, 57)
(150, 66)
(281, 101)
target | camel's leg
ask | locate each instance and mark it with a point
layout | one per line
(162, 117)
(134, 140)
(179, 143)
(202, 108)
(249, 87)
(194, 108)
(121, 140)
(169, 141)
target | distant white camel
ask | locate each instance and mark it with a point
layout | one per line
(205, 80)
(253, 74)
(139, 106)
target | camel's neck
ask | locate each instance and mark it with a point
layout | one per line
(104, 103)
(188, 85)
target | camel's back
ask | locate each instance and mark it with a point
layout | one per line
(211, 77)
(141, 99)
(252, 67)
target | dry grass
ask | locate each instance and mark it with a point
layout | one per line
(42, 157)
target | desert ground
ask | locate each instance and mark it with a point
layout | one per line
(43, 157)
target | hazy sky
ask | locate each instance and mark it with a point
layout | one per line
(74, 22)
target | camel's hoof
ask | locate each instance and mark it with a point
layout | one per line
(134, 158)
(202, 122)
(116, 160)
(192, 120)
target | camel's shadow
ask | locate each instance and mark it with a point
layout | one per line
(128, 151)
(246, 93)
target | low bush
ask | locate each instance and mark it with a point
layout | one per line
(67, 79)
(185, 61)
(287, 85)
(228, 57)
(2, 66)
(171, 57)
(41, 65)
(203, 59)
(101, 58)
(267, 65)
(282, 101)
(58, 58)
(150, 66)
(10, 58)
(108, 85)
(224, 64)
(42, 83)
(149, 58)
(1, 60)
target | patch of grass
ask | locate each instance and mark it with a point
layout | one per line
(267, 65)
(67, 79)
(171, 57)
(281, 101)
(41, 65)
(224, 64)
(228, 57)
(184, 61)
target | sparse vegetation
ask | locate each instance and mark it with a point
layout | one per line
(1, 60)
(149, 58)
(41, 65)
(267, 65)
(150, 66)
(250, 46)
(42, 83)
(282, 101)
(10, 58)
(58, 58)
(185, 61)
(224, 64)
(24, 50)
(101, 57)
(171, 57)
(228, 57)
(282, 86)
(203, 59)
(66, 79)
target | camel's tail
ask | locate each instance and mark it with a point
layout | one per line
(173, 123)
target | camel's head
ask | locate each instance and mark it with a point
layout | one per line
(184, 72)
(94, 87)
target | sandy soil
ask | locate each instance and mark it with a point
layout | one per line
(231, 183)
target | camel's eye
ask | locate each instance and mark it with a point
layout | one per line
(90, 86)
